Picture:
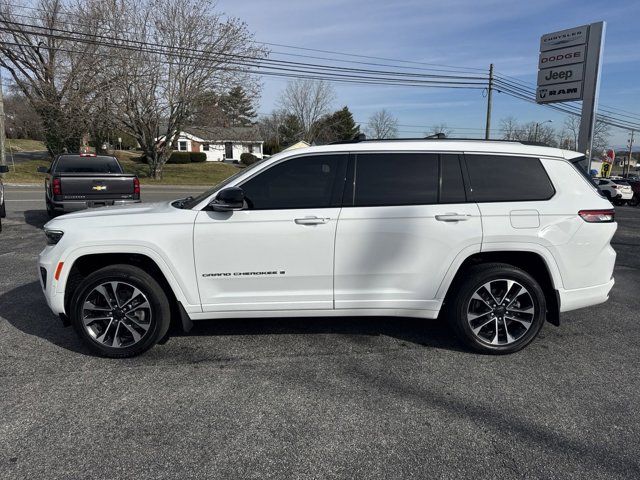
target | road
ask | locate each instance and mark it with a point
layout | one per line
(315, 398)
(19, 157)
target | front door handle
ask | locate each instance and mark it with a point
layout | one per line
(311, 220)
(453, 217)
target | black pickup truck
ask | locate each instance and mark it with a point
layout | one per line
(76, 182)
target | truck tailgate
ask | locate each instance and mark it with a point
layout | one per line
(79, 186)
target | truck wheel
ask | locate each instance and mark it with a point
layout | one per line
(120, 311)
(497, 308)
(50, 210)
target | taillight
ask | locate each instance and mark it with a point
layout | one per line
(136, 186)
(56, 186)
(597, 216)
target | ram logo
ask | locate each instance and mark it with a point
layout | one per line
(99, 188)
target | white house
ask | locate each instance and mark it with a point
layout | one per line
(221, 143)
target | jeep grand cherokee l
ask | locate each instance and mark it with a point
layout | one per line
(495, 236)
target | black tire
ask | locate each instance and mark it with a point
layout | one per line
(159, 307)
(634, 201)
(50, 210)
(461, 297)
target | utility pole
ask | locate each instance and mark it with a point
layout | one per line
(3, 159)
(487, 132)
(628, 163)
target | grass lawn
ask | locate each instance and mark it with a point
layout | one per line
(23, 145)
(206, 173)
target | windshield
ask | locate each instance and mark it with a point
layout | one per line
(193, 201)
(78, 164)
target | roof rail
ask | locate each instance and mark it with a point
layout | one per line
(437, 137)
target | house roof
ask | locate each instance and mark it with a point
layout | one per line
(224, 134)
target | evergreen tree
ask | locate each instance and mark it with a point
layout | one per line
(335, 127)
(237, 108)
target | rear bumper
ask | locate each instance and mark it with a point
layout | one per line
(584, 297)
(74, 205)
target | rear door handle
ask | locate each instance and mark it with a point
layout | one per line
(311, 220)
(453, 217)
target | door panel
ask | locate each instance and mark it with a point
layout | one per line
(408, 222)
(277, 253)
(265, 260)
(396, 257)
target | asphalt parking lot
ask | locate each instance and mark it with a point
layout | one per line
(315, 398)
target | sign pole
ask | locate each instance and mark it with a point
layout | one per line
(593, 66)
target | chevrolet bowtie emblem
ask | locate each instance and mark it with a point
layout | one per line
(99, 187)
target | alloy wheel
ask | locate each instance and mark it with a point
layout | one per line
(500, 312)
(116, 314)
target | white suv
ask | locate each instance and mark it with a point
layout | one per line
(499, 236)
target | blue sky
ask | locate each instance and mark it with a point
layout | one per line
(454, 32)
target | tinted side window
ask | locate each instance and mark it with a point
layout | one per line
(303, 182)
(451, 184)
(501, 178)
(396, 179)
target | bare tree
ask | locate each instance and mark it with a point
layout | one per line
(440, 128)
(22, 121)
(50, 68)
(571, 131)
(307, 100)
(169, 54)
(509, 127)
(382, 125)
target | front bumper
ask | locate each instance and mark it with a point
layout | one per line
(75, 205)
(47, 264)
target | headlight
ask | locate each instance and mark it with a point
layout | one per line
(53, 236)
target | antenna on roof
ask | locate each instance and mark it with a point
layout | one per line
(437, 135)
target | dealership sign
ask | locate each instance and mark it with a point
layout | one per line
(561, 65)
(569, 66)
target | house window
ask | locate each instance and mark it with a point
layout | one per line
(182, 145)
(251, 148)
(205, 147)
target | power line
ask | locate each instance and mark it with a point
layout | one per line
(445, 68)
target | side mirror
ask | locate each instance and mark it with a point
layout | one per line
(229, 199)
(4, 169)
(43, 170)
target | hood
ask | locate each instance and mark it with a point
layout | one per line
(129, 216)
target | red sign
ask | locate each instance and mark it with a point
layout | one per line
(611, 155)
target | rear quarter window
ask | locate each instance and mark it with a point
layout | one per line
(507, 178)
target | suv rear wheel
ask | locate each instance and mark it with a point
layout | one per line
(498, 308)
(120, 311)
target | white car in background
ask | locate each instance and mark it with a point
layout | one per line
(617, 190)
(365, 228)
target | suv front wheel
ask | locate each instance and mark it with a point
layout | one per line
(120, 311)
(497, 308)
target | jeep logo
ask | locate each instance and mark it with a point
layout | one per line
(563, 75)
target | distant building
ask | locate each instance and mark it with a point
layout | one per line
(300, 144)
(221, 143)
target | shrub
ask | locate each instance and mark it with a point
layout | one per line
(198, 157)
(180, 157)
(248, 158)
